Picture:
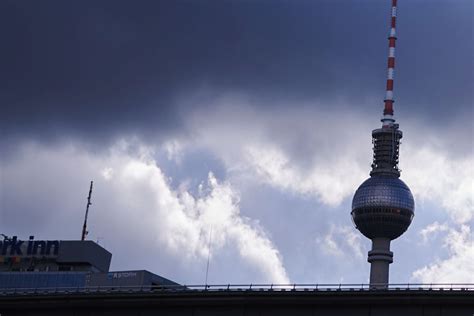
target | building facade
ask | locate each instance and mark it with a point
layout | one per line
(64, 264)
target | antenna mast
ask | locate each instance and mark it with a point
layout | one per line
(388, 119)
(84, 227)
(208, 254)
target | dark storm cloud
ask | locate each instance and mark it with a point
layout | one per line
(102, 68)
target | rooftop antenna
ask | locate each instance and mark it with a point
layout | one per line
(84, 227)
(208, 254)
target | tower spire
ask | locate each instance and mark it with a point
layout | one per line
(388, 119)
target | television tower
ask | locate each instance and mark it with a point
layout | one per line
(383, 206)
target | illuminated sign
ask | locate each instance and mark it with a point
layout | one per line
(31, 248)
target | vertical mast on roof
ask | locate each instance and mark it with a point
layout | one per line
(84, 227)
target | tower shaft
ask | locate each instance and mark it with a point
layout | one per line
(380, 257)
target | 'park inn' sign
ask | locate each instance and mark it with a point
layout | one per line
(15, 247)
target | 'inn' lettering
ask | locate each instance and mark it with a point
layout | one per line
(16, 247)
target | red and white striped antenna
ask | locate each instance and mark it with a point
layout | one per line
(388, 119)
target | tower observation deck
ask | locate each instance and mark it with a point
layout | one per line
(383, 206)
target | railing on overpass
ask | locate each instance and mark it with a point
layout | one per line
(233, 288)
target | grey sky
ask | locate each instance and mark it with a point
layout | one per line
(276, 98)
(102, 68)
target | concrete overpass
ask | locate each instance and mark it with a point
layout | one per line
(426, 300)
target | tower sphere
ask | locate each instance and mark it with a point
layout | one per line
(383, 206)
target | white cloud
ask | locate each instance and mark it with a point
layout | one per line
(431, 230)
(458, 268)
(302, 152)
(107, 173)
(134, 203)
(342, 241)
(174, 150)
(329, 183)
(329, 245)
(435, 176)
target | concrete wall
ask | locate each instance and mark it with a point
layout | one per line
(371, 303)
